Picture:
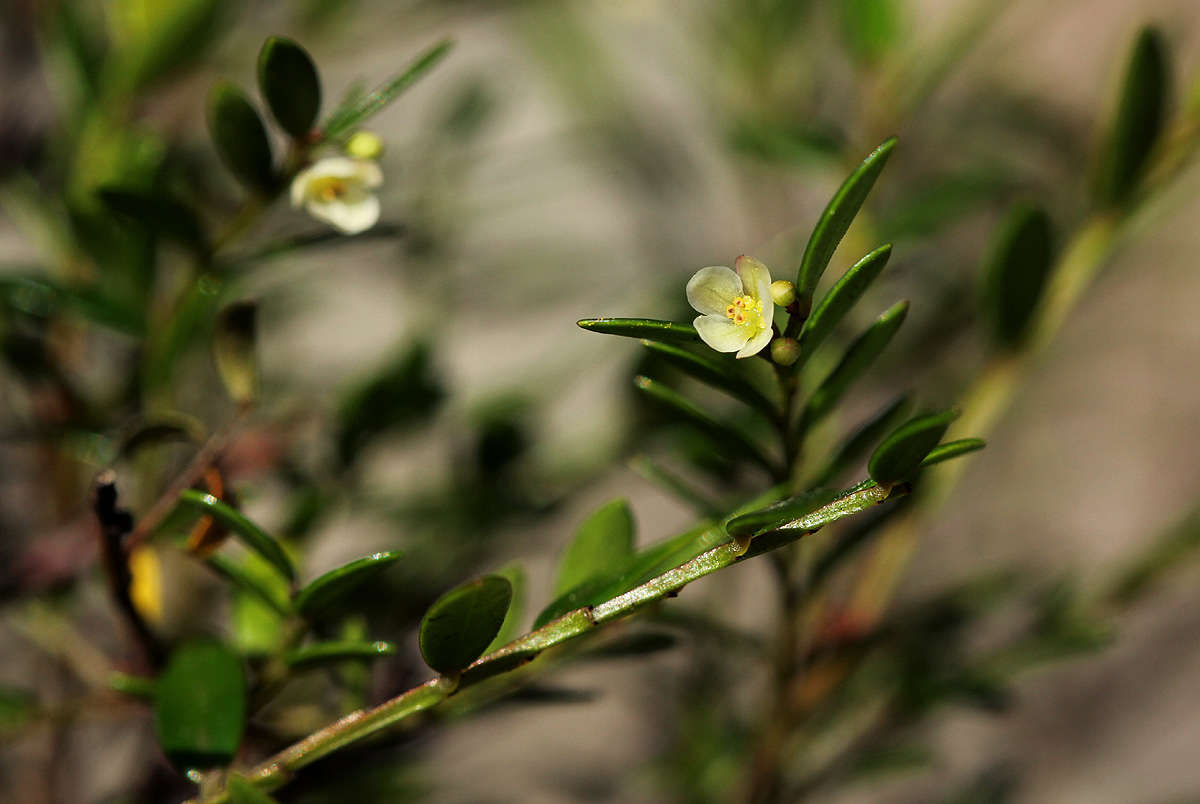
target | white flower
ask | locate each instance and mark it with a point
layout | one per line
(736, 306)
(337, 190)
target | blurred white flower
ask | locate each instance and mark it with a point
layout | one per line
(337, 190)
(736, 306)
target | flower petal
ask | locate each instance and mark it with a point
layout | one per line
(756, 279)
(300, 186)
(720, 333)
(713, 289)
(759, 342)
(368, 173)
(350, 216)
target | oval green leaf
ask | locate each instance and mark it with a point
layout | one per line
(288, 81)
(602, 543)
(324, 654)
(952, 449)
(1138, 121)
(838, 215)
(510, 629)
(1016, 273)
(359, 108)
(854, 363)
(651, 329)
(322, 594)
(900, 455)
(200, 705)
(251, 534)
(240, 137)
(461, 624)
(716, 373)
(841, 298)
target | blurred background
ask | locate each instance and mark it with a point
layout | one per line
(424, 386)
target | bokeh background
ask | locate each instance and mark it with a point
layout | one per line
(571, 160)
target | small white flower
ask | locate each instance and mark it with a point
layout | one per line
(337, 190)
(735, 306)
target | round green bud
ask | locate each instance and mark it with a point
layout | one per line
(785, 351)
(364, 145)
(783, 292)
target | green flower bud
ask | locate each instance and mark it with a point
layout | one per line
(783, 292)
(785, 351)
(364, 145)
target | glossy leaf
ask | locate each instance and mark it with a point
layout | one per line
(953, 449)
(242, 791)
(864, 438)
(200, 705)
(324, 654)
(854, 500)
(274, 594)
(158, 213)
(771, 517)
(461, 624)
(240, 137)
(841, 298)
(251, 534)
(725, 433)
(1016, 273)
(510, 629)
(288, 81)
(1138, 121)
(603, 542)
(900, 455)
(858, 358)
(323, 593)
(650, 329)
(359, 110)
(837, 217)
(235, 345)
(719, 374)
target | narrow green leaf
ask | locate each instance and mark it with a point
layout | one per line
(200, 705)
(191, 318)
(864, 438)
(461, 624)
(510, 629)
(851, 501)
(158, 213)
(900, 455)
(134, 686)
(251, 534)
(269, 591)
(603, 542)
(1168, 551)
(240, 137)
(870, 27)
(288, 81)
(1138, 121)
(782, 512)
(650, 329)
(324, 592)
(854, 363)
(838, 215)
(953, 449)
(243, 791)
(1016, 272)
(42, 297)
(724, 432)
(235, 345)
(841, 298)
(717, 373)
(324, 654)
(355, 114)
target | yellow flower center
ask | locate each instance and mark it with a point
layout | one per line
(745, 311)
(329, 189)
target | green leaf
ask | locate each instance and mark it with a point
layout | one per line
(156, 39)
(461, 624)
(868, 435)
(240, 138)
(357, 112)
(510, 629)
(650, 329)
(838, 215)
(17, 708)
(1016, 272)
(952, 449)
(1138, 121)
(324, 654)
(870, 27)
(251, 534)
(200, 705)
(603, 542)
(288, 81)
(126, 684)
(854, 363)
(268, 589)
(725, 433)
(158, 213)
(766, 519)
(322, 594)
(243, 791)
(900, 455)
(854, 500)
(190, 319)
(841, 298)
(234, 350)
(719, 374)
